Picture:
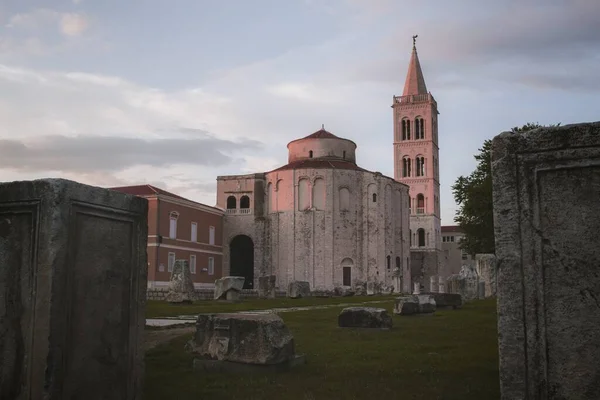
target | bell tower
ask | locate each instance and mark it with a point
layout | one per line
(416, 164)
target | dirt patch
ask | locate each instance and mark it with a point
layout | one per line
(154, 337)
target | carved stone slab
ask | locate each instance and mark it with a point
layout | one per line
(546, 186)
(73, 275)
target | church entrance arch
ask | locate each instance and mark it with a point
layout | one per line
(241, 259)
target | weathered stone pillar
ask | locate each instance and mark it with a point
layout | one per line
(433, 284)
(73, 277)
(441, 288)
(546, 186)
(417, 289)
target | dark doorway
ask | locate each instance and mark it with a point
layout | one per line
(347, 276)
(241, 259)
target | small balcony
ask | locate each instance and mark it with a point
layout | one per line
(420, 210)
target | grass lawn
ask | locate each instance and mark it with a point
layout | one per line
(450, 355)
(157, 309)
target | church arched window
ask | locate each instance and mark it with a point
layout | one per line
(405, 125)
(406, 167)
(420, 161)
(419, 128)
(420, 204)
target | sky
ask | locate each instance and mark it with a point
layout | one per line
(174, 93)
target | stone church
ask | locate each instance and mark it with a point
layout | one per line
(416, 164)
(320, 218)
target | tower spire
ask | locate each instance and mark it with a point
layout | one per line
(415, 83)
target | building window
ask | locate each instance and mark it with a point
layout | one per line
(405, 129)
(194, 235)
(374, 197)
(419, 128)
(420, 204)
(347, 276)
(344, 154)
(310, 154)
(421, 235)
(245, 202)
(389, 262)
(161, 267)
(410, 236)
(406, 167)
(173, 216)
(452, 238)
(193, 264)
(398, 263)
(231, 203)
(171, 262)
(211, 235)
(420, 160)
(211, 266)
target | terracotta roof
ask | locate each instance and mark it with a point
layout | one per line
(148, 190)
(415, 83)
(320, 164)
(321, 134)
(451, 228)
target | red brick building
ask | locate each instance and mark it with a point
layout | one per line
(179, 228)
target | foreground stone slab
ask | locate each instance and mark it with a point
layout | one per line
(546, 190)
(73, 277)
(298, 289)
(266, 286)
(229, 287)
(181, 286)
(365, 317)
(259, 338)
(406, 305)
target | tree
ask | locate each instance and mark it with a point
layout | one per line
(473, 194)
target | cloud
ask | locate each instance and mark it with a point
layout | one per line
(73, 24)
(39, 19)
(86, 154)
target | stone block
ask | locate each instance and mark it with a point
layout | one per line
(73, 280)
(226, 284)
(427, 304)
(406, 305)
(260, 338)
(266, 286)
(298, 289)
(365, 317)
(546, 191)
(443, 300)
(181, 286)
(343, 292)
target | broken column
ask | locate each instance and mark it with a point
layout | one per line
(229, 288)
(73, 277)
(181, 286)
(546, 186)
(298, 289)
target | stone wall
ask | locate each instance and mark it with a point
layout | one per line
(546, 191)
(342, 227)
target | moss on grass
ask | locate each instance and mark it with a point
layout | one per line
(450, 355)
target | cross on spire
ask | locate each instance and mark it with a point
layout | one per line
(415, 41)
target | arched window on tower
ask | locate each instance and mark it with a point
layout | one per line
(420, 161)
(420, 204)
(245, 202)
(389, 262)
(406, 166)
(398, 263)
(421, 237)
(419, 128)
(310, 154)
(405, 129)
(374, 197)
(231, 203)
